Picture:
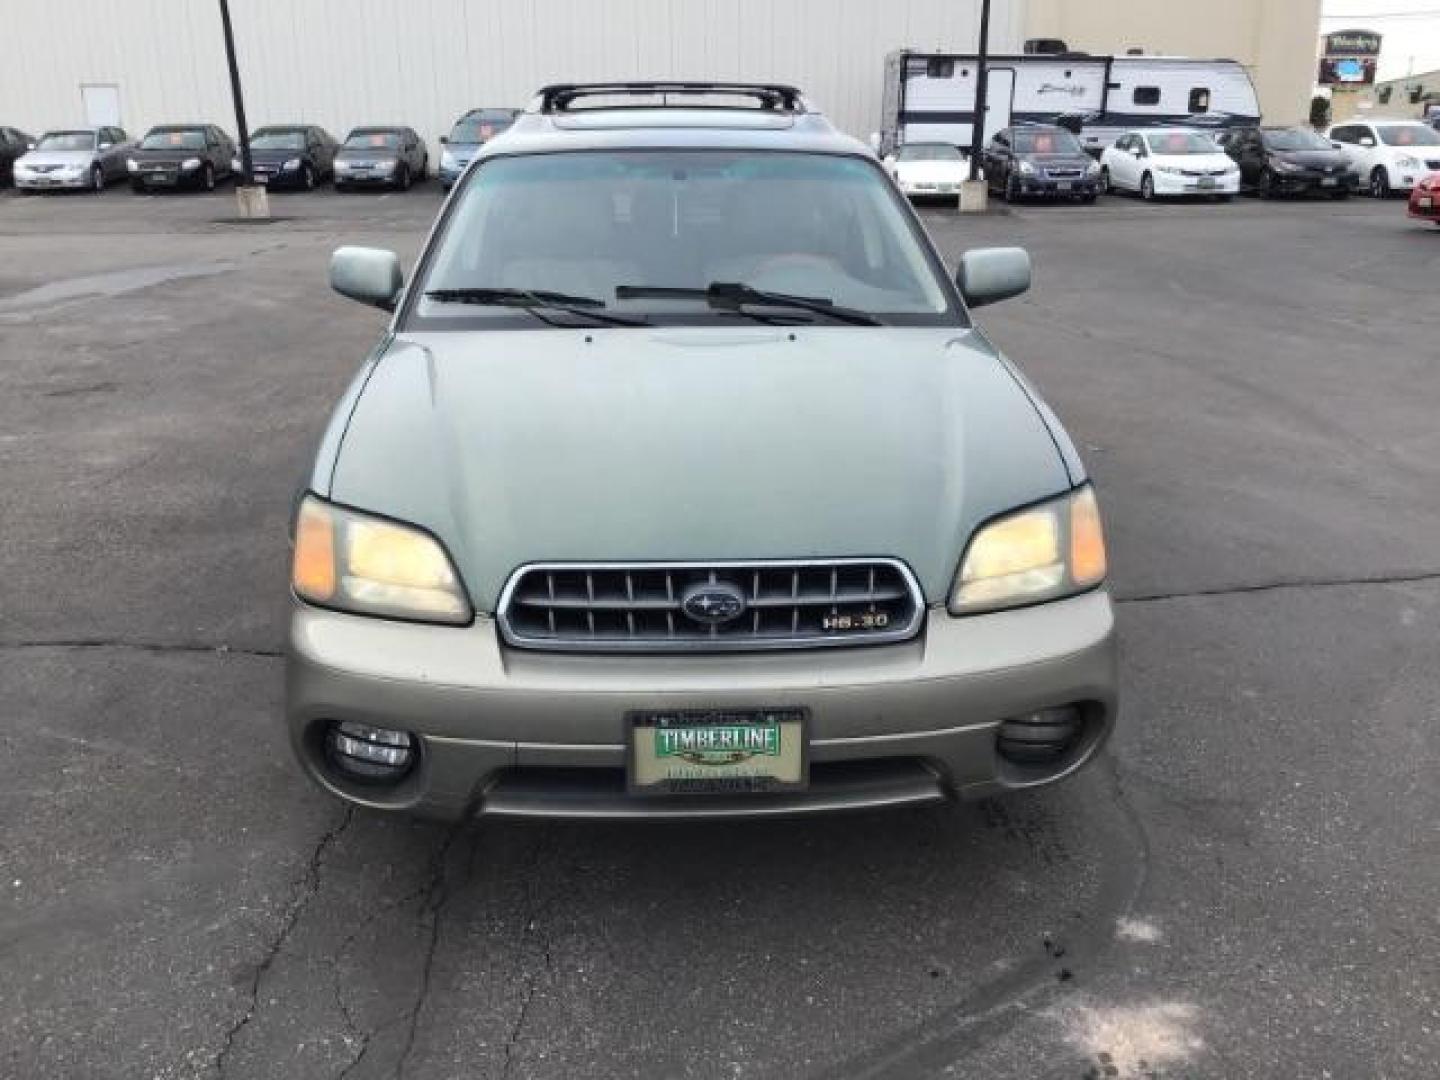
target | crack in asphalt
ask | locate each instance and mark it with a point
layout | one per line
(309, 887)
(220, 648)
(436, 895)
(1399, 577)
(534, 913)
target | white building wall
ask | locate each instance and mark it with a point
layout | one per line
(340, 63)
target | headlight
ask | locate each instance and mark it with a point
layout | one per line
(447, 160)
(293, 163)
(190, 163)
(1043, 553)
(1405, 161)
(236, 164)
(1288, 166)
(130, 165)
(385, 166)
(354, 562)
(1027, 169)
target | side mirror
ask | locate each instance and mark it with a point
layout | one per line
(988, 275)
(890, 161)
(1135, 151)
(444, 140)
(370, 275)
(30, 145)
(1367, 141)
(1337, 144)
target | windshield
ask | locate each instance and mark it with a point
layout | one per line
(584, 224)
(277, 140)
(174, 139)
(477, 129)
(1058, 141)
(928, 152)
(373, 140)
(66, 140)
(1296, 139)
(1181, 142)
(1409, 135)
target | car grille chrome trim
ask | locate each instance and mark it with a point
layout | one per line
(637, 607)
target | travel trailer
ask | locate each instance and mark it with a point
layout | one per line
(930, 97)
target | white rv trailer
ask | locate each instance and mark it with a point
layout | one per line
(930, 97)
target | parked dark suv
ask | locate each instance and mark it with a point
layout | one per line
(1289, 161)
(13, 143)
(471, 131)
(181, 155)
(393, 157)
(292, 155)
(1040, 159)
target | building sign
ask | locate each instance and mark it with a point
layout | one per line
(1352, 43)
(1349, 57)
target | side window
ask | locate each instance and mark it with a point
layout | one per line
(1199, 99)
(1146, 95)
(1342, 134)
(937, 67)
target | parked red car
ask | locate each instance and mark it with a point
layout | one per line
(1425, 199)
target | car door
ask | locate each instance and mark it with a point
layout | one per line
(1366, 148)
(1122, 162)
(111, 158)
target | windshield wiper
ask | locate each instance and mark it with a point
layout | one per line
(733, 296)
(532, 300)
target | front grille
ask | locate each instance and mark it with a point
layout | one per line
(757, 605)
(1063, 174)
(43, 168)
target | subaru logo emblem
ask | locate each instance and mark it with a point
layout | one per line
(713, 603)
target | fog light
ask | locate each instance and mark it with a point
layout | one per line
(370, 753)
(1040, 738)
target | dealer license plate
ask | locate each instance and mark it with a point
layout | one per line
(1206, 182)
(1063, 185)
(1426, 203)
(1329, 181)
(720, 751)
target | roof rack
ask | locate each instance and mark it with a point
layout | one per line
(776, 96)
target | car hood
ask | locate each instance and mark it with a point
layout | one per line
(1057, 161)
(693, 444)
(57, 157)
(361, 153)
(269, 156)
(949, 171)
(1218, 160)
(1310, 159)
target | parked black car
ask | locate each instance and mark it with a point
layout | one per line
(393, 157)
(1040, 160)
(13, 143)
(181, 155)
(292, 155)
(1289, 161)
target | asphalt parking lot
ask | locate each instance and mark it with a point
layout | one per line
(1247, 884)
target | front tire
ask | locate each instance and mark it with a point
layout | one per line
(402, 179)
(97, 179)
(307, 177)
(1379, 183)
(1266, 187)
(1012, 190)
(1147, 187)
(207, 177)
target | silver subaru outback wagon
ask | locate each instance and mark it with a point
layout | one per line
(682, 486)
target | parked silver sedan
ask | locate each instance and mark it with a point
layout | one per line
(84, 158)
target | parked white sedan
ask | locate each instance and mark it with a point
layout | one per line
(1388, 155)
(928, 170)
(1160, 162)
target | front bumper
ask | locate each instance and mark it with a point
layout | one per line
(51, 181)
(1304, 183)
(1171, 184)
(927, 190)
(368, 178)
(1052, 188)
(509, 732)
(166, 179)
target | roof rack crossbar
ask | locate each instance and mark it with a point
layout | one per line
(559, 97)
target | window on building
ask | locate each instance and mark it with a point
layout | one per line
(937, 67)
(1200, 99)
(1147, 95)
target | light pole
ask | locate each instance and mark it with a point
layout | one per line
(973, 193)
(251, 200)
